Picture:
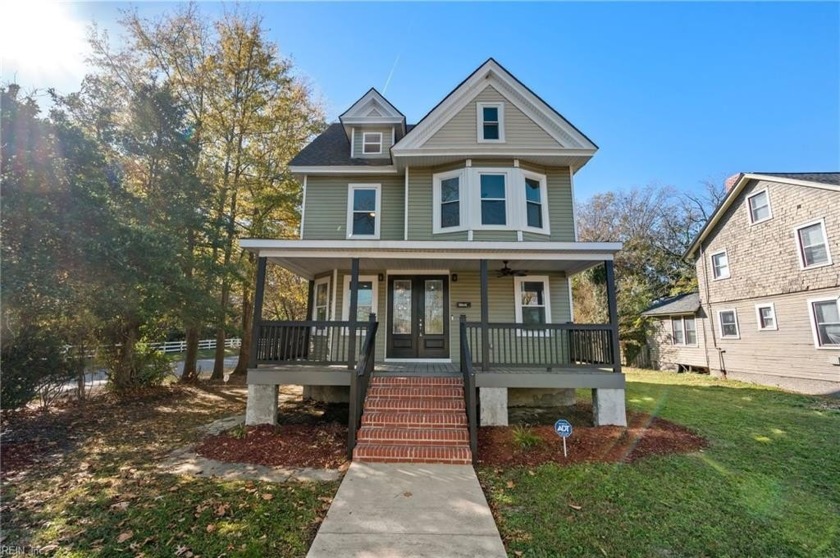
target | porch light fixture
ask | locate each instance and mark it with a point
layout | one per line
(454, 277)
(381, 276)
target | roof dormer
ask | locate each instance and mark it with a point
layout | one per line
(372, 126)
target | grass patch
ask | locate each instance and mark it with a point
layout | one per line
(767, 485)
(99, 492)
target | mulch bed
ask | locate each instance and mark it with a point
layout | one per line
(288, 445)
(643, 437)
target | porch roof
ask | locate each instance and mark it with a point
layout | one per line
(308, 258)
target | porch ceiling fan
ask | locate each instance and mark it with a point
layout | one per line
(506, 271)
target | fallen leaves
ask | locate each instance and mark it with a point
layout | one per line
(124, 536)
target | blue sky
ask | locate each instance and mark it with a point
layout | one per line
(672, 93)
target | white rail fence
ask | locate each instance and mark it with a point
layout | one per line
(176, 346)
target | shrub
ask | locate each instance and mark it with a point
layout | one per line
(35, 363)
(526, 437)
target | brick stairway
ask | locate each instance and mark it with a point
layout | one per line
(414, 420)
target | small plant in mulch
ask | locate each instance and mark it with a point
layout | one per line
(525, 437)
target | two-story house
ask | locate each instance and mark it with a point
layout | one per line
(768, 304)
(443, 249)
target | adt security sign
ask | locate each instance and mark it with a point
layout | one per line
(564, 430)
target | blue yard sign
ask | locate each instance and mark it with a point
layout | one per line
(563, 429)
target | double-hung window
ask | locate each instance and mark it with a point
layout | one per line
(536, 209)
(372, 143)
(812, 245)
(532, 300)
(321, 300)
(728, 322)
(825, 320)
(720, 265)
(491, 122)
(363, 211)
(683, 330)
(493, 199)
(759, 206)
(765, 315)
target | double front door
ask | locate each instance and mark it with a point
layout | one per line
(418, 317)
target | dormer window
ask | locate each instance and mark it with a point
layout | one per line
(372, 143)
(491, 122)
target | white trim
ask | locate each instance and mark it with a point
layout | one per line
(475, 209)
(405, 207)
(345, 296)
(571, 299)
(757, 193)
(377, 209)
(417, 272)
(352, 142)
(720, 324)
(772, 308)
(365, 143)
(574, 209)
(356, 113)
(303, 208)
(800, 249)
(345, 169)
(543, 180)
(813, 319)
(479, 118)
(420, 360)
(320, 281)
(393, 135)
(517, 294)
(715, 276)
(334, 293)
(463, 201)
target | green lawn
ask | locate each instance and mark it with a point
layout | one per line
(768, 484)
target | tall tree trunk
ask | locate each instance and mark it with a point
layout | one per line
(247, 332)
(190, 372)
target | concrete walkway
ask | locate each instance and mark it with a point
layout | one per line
(408, 511)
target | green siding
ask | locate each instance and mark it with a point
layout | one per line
(420, 205)
(386, 132)
(325, 214)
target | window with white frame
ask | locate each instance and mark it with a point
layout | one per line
(372, 143)
(720, 265)
(813, 245)
(491, 122)
(765, 315)
(728, 324)
(683, 330)
(536, 208)
(449, 195)
(363, 202)
(532, 300)
(493, 193)
(367, 301)
(759, 206)
(825, 321)
(321, 300)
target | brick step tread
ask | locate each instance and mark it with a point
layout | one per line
(443, 392)
(416, 381)
(418, 436)
(412, 454)
(406, 404)
(413, 419)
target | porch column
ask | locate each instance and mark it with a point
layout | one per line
(354, 309)
(259, 295)
(485, 318)
(613, 312)
(310, 297)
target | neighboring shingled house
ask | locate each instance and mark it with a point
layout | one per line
(678, 341)
(769, 281)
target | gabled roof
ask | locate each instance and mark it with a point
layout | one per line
(493, 73)
(331, 149)
(688, 303)
(824, 180)
(372, 108)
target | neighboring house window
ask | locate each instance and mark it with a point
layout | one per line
(813, 246)
(368, 297)
(825, 316)
(372, 143)
(536, 208)
(491, 121)
(683, 330)
(759, 204)
(493, 201)
(449, 196)
(728, 321)
(766, 316)
(321, 300)
(532, 300)
(363, 211)
(720, 265)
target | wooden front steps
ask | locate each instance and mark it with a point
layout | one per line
(414, 420)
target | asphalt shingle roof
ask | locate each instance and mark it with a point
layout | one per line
(680, 304)
(821, 177)
(332, 149)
